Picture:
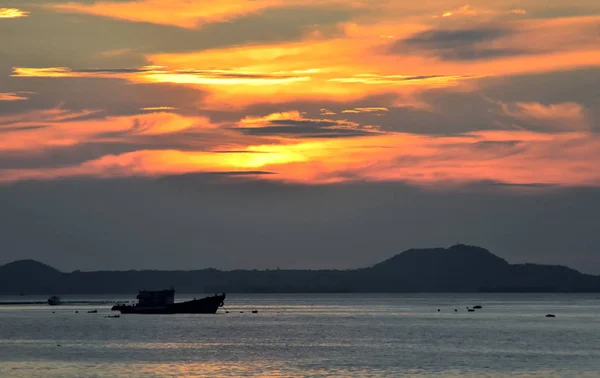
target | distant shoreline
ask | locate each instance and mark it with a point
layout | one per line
(457, 269)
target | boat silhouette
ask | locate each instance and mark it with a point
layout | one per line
(54, 301)
(163, 302)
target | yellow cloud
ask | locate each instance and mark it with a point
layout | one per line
(158, 108)
(327, 112)
(366, 110)
(12, 13)
(515, 157)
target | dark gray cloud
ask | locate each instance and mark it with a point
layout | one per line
(474, 53)
(455, 38)
(64, 156)
(224, 221)
(457, 44)
(112, 96)
(561, 11)
(577, 85)
(305, 129)
(312, 107)
(6, 129)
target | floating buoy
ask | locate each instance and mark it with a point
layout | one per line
(455, 310)
(438, 310)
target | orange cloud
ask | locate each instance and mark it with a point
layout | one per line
(39, 130)
(12, 13)
(511, 157)
(13, 96)
(187, 14)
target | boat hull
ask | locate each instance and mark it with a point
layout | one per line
(208, 305)
(53, 301)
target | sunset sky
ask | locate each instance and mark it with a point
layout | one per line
(296, 105)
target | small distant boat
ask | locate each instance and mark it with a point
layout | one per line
(54, 301)
(163, 302)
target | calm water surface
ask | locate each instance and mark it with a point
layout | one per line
(311, 335)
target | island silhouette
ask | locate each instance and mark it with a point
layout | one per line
(459, 268)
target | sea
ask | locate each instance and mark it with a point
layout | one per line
(309, 335)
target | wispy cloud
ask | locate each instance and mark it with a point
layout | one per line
(158, 74)
(565, 117)
(293, 124)
(478, 12)
(366, 110)
(375, 79)
(14, 96)
(158, 108)
(57, 128)
(466, 10)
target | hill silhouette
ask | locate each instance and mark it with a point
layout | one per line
(460, 268)
(27, 276)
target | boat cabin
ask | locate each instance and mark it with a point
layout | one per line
(156, 298)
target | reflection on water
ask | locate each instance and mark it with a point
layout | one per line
(313, 335)
(247, 369)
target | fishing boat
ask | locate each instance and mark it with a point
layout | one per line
(54, 300)
(163, 302)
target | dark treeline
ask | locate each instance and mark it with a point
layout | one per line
(459, 268)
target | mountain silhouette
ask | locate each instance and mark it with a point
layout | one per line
(27, 276)
(460, 268)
